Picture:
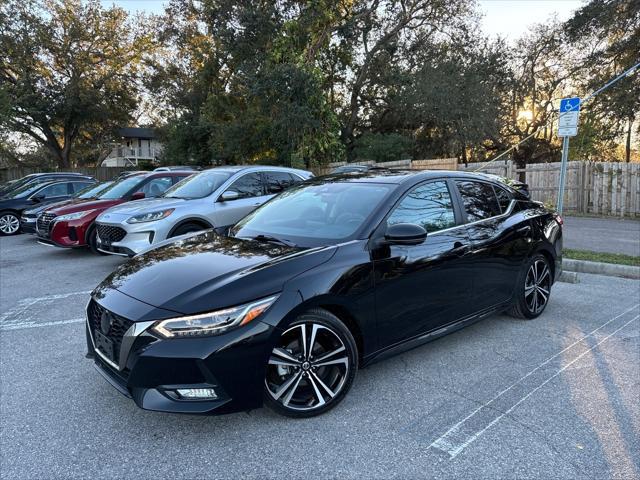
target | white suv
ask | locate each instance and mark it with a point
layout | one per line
(215, 198)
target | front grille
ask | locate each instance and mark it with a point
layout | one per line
(113, 327)
(110, 234)
(44, 223)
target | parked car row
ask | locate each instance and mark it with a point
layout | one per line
(139, 209)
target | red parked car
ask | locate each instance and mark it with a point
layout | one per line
(72, 226)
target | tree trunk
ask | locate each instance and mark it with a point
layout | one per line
(627, 151)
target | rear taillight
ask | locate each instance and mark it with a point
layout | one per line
(559, 219)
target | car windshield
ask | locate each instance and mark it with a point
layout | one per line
(120, 188)
(198, 186)
(93, 191)
(314, 214)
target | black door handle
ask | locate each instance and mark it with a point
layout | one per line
(524, 230)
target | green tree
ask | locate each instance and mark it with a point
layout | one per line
(69, 72)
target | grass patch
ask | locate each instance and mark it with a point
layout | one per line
(617, 258)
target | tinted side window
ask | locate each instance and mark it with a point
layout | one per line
(77, 186)
(504, 198)
(428, 205)
(156, 187)
(249, 185)
(479, 199)
(276, 182)
(57, 190)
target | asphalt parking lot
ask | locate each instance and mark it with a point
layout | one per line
(552, 398)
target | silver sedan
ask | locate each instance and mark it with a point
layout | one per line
(215, 198)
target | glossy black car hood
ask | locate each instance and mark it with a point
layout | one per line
(207, 271)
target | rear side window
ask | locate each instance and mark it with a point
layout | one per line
(249, 185)
(276, 182)
(156, 186)
(504, 198)
(479, 200)
(428, 205)
(77, 186)
(55, 190)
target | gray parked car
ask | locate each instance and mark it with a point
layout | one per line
(215, 198)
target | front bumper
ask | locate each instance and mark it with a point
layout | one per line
(138, 237)
(65, 234)
(233, 364)
(28, 224)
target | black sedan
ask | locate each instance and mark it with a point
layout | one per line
(31, 194)
(324, 279)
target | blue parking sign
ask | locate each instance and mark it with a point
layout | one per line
(570, 104)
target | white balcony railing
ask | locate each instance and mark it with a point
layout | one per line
(137, 153)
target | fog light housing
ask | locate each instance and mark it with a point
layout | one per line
(197, 393)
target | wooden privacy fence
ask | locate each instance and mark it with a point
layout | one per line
(430, 164)
(602, 188)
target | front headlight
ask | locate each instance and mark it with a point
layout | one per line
(72, 216)
(151, 216)
(212, 323)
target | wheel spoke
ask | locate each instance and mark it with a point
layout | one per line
(293, 389)
(285, 386)
(329, 355)
(535, 301)
(544, 297)
(314, 328)
(534, 274)
(337, 361)
(303, 339)
(319, 395)
(322, 384)
(284, 363)
(528, 290)
(544, 290)
(284, 354)
(545, 273)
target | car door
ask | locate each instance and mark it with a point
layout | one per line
(54, 192)
(251, 193)
(422, 287)
(499, 241)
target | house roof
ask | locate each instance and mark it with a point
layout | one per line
(134, 132)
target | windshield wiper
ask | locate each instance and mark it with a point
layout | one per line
(269, 238)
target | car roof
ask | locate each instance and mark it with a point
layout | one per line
(401, 176)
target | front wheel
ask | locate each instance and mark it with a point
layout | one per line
(9, 223)
(311, 367)
(534, 288)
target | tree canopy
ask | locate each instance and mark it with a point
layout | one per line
(306, 82)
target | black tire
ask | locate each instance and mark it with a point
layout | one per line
(9, 223)
(534, 288)
(318, 384)
(92, 241)
(187, 228)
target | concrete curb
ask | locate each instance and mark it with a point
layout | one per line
(569, 277)
(599, 268)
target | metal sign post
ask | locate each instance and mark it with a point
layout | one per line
(567, 127)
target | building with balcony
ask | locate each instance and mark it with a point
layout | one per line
(136, 145)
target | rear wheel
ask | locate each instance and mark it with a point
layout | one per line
(312, 366)
(186, 228)
(534, 288)
(9, 223)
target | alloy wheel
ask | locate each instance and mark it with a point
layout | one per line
(537, 286)
(9, 224)
(308, 367)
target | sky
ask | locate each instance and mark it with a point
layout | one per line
(506, 18)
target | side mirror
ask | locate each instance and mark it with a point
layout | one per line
(38, 198)
(405, 234)
(137, 196)
(229, 195)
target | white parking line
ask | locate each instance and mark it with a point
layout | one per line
(20, 326)
(25, 314)
(453, 446)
